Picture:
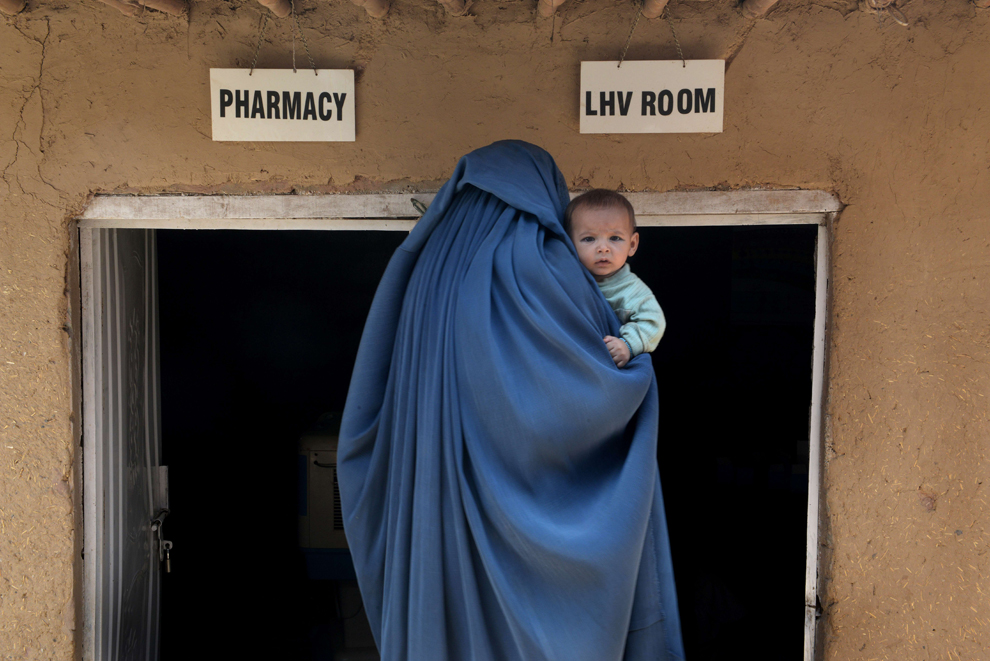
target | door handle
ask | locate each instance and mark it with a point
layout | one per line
(164, 546)
(156, 523)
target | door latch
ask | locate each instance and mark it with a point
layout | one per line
(160, 481)
(164, 546)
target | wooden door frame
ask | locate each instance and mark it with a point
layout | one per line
(396, 212)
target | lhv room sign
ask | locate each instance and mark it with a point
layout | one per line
(658, 96)
(279, 105)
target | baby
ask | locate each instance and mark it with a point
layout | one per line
(602, 225)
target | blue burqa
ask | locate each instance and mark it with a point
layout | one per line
(497, 471)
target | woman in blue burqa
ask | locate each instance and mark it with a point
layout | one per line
(497, 471)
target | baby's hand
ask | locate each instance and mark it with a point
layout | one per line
(619, 350)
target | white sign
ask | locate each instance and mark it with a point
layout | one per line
(659, 96)
(279, 105)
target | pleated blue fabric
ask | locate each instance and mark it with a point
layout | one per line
(497, 471)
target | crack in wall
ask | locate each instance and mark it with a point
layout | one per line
(17, 135)
(737, 45)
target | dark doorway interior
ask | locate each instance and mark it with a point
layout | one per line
(259, 331)
(734, 374)
(258, 336)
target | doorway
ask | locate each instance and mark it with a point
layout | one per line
(734, 374)
(259, 331)
(253, 354)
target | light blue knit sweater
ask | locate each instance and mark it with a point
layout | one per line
(642, 319)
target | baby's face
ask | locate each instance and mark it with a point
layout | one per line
(604, 239)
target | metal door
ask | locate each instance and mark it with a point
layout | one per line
(123, 492)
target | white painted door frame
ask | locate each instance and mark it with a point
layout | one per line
(395, 212)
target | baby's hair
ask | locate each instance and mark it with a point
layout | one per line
(599, 198)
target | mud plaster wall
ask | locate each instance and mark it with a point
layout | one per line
(896, 121)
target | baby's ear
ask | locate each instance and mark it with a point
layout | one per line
(633, 243)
